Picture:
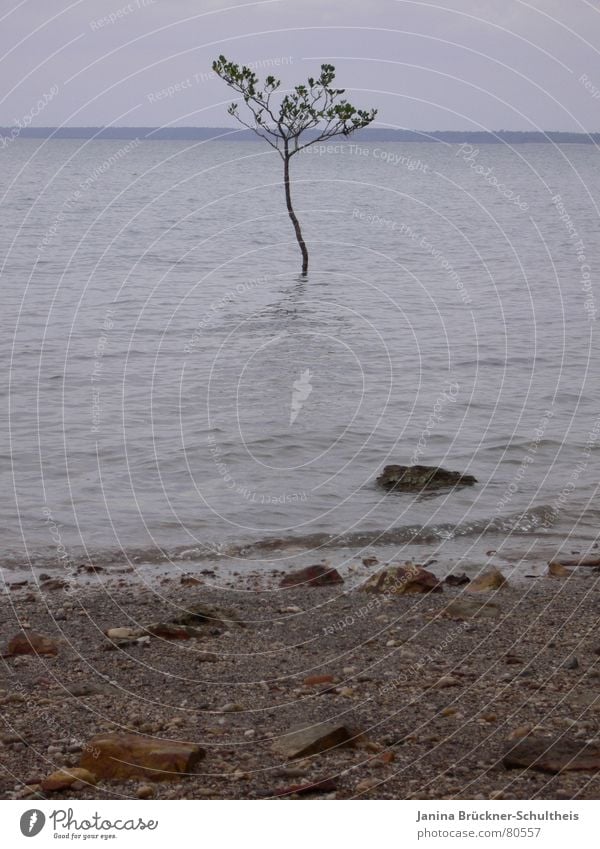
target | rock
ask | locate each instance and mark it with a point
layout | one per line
(203, 614)
(446, 681)
(54, 584)
(311, 740)
(119, 756)
(520, 732)
(326, 785)
(183, 627)
(415, 478)
(206, 657)
(367, 784)
(318, 679)
(28, 642)
(457, 580)
(557, 570)
(586, 562)
(145, 791)
(561, 755)
(121, 633)
(572, 663)
(231, 707)
(170, 631)
(296, 771)
(370, 561)
(465, 609)
(316, 576)
(493, 579)
(190, 581)
(400, 580)
(62, 779)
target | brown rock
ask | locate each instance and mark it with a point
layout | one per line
(465, 609)
(28, 642)
(519, 732)
(445, 682)
(493, 579)
(118, 756)
(316, 576)
(145, 791)
(557, 570)
(586, 562)
(367, 784)
(546, 755)
(318, 679)
(170, 631)
(190, 581)
(311, 740)
(401, 580)
(62, 779)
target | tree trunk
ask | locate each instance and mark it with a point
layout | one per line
(292, 214)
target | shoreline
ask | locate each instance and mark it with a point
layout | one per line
(432, 702)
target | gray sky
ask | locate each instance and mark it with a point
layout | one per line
(440, 64)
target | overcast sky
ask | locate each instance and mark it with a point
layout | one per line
(440, 64)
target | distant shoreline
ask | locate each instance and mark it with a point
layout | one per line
(509, 137)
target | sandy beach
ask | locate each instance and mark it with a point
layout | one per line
(432, 690)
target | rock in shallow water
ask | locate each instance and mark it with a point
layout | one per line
(416, 478)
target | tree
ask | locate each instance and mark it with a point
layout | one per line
(303, 109)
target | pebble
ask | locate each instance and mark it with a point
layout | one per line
(145, 791)
(206, 657)
(446, 681)
(367, 784)
(231, 707)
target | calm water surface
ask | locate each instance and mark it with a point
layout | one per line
(170, 383)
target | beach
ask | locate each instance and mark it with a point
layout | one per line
(432, 690)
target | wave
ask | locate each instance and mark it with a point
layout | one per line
(538, 520)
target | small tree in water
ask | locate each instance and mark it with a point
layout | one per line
(314, 106)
